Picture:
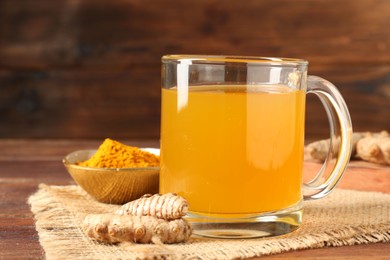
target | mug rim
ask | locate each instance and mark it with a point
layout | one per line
(233, 58)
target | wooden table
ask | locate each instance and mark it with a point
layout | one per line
(26, 163)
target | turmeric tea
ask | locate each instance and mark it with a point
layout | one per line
(113, 154)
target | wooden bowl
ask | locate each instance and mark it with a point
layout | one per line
(113, 185)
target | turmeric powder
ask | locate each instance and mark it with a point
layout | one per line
(113, 154)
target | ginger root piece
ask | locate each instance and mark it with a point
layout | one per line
(319, 150)
(112, 228)
(368, 146)
(375, 148)
(149, 219)
(167, 206)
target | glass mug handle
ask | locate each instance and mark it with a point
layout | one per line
(340, 139)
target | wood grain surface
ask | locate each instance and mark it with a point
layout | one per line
(91, 68)
(24, 164)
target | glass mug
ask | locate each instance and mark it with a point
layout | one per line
(232, 142)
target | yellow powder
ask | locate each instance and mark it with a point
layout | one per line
(112, 154)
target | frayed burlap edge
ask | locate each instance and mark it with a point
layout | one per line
(343, 218)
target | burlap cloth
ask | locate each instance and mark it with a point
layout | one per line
(343, 218)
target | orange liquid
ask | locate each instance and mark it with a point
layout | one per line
(233, 149)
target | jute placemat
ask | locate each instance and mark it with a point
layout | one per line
(343, 218)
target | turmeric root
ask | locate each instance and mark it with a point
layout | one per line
(168, 206)
(319, 150)
(371, 147)
(111, 229)
(375, 148)
(149, 219)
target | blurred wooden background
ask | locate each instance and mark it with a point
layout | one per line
(91, 68)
